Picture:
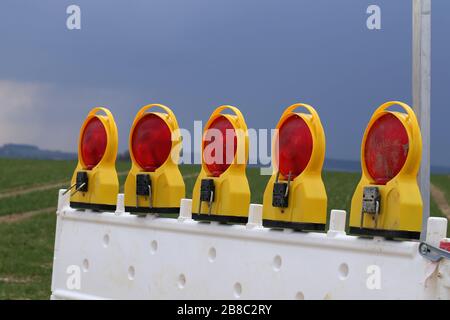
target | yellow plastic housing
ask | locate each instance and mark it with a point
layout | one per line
(232, 191)
(103, 183)
(307, 197)
(401, 201)
(168, 186)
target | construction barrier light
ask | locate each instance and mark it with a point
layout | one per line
(222, 192)
(95, 184)
(387, 201)
(154, 183)
(295, 196)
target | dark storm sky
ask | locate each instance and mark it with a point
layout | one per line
(194, 55)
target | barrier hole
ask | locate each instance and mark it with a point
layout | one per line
(277, 263)
(181, 281)
(106, 240)
(300, 296)
(85, 265)
(212, 253)
(131, 273)
(154, 247)
(343, 271)
(237, 290)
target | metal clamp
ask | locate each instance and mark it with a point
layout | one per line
(432, 253)
(371, 204)
(81, 183)
(144, 188)
(207, 190)
(280, 196)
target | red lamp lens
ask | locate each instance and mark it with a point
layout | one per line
(151, 142)
(295, 146)
(386, 148)
(219, 164)
(93, 143)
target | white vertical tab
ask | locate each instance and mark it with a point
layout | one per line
(120, 204)
(255, 216)
(63, 201)
(185, 210)
(337, 222)
(436, 231)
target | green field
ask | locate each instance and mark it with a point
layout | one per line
(26, 243)
(443, 183)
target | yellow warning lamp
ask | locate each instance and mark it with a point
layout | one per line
(221, 192)
(387, 201)
(295, 196)
(154, 183)
(95, 182)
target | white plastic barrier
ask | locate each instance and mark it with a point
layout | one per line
(121, 256)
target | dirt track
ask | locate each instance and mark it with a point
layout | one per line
(17, 217)
(19, 192)
(439, 197)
